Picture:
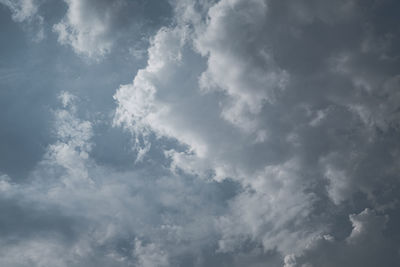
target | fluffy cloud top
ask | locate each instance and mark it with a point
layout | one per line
(91, 28)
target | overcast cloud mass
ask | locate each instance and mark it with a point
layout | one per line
(156, 133)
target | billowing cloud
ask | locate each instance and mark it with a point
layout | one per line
(74, 211)
(276, 100)
(245, 69)
(257, 133)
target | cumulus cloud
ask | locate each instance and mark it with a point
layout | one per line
(263, 133)
(73, 211)
(245, 69)
(84, 29)
(277, 100)
(92, 28)
(266, 212)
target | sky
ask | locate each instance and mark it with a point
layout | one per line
(156, 133)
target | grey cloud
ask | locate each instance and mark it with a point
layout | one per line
(258, 133)
(365, 246)
(320, 116)
(72, 211)
(23, 9)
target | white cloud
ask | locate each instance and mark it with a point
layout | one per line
(73, 135)
(266, 212)
(244, 69)
(86, 28)
(94, 215)
(26, 11)
(93, 28)
(22, 10)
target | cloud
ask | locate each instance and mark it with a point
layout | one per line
(84, 29)
(73, 211)
(22, 10)
(262, 133)
(26, 11)
(275, 211)
(92, 28)
(150, 255)
(275, 96)
(245, 69)
(153, 104)
(365, 246)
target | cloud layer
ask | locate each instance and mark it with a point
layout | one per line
(281, 106)
(257, 133)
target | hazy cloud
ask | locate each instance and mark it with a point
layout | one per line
(26, 11)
